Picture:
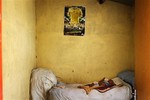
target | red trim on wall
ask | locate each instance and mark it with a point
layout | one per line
(1, 87)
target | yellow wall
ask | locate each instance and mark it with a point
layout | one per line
(105, 50)
(18, 47)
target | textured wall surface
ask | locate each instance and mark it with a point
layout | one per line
(142, 48)
(105, 50)
(18, 47)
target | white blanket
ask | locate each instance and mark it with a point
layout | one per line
(71, 92)
(43, 79)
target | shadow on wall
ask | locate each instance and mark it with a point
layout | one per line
(127, 2)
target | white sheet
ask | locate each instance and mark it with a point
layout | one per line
(71, 92)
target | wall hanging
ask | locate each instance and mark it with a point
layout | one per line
(74, 20)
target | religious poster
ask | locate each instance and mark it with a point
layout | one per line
(74, 20)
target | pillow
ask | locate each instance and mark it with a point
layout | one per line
(42, 81)
(127, 76)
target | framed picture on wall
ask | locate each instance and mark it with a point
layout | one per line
(74, 20)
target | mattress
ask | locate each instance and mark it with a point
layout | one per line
(71, 92)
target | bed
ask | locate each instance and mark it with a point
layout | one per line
(44, 86)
